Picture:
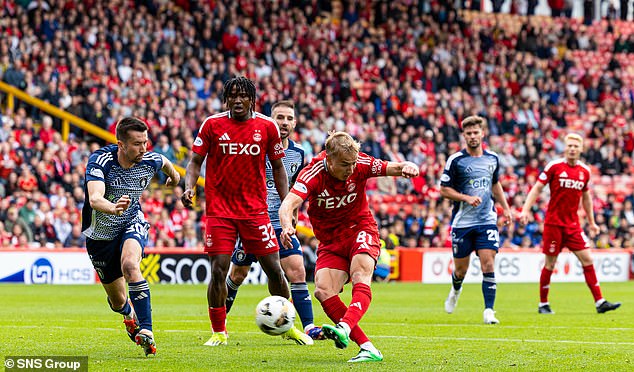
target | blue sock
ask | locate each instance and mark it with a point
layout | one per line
(140, 296)
(125, 310)
(457, 283)
(232, 292)
(488, 289)
(302, 302)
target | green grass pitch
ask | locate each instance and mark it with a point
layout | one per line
(406, 321)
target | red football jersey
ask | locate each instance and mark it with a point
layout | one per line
(335, 206)
(567, 184)
(235, 180)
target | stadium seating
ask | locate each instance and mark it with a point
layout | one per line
(174, 78)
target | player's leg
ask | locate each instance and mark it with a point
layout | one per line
(486, 242)
(361, 270)
(544, 284)
(278, 286)
(220, 241)
(217, 294)
(292, 261)
(258, 238)
(236, 277)
(551, 247)
(106, 259)
(461, 257)
(240, 265)
(328, 284)
(601, 304)
(138, 288)
(120, 303)
(489, 286)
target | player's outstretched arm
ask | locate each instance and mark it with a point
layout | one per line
(191, 177)
(530, 200)
(280, 177)
(96, 190)
(288, 209)
(405, 169)
(173, 176)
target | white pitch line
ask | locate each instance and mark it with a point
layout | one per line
(512, 340)
(426, 338)
(462, 325)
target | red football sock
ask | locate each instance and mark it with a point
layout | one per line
(361, 298)
(544, 284)
(218, 316)
(336, 309)
(592, 282)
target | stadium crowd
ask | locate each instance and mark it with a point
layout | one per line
(398, 77)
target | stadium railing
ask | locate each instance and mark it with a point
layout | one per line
(66, 118)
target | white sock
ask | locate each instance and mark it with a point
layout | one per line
(369, 347)
(543, 304)
(598, 303)
(346, 327)
(309, 327)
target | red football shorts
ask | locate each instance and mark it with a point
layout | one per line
(338, 254)
(555, 238)
(257, 235)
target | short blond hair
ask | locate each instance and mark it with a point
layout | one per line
(339, 143)
(574, 136)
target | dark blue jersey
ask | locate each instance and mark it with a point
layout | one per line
(293, 162)
(103, 166)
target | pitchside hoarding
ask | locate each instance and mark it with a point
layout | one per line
(525, 267)
(187, 268)
(174, 266)
(44, 267)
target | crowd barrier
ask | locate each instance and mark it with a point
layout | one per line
(432, 265)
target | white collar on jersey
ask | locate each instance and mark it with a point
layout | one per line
(326, 165)
(252, 114)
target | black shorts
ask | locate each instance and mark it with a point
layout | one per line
(106, 254)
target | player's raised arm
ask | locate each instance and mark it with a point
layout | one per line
(191, 177)
(288, 209)
(530, 200)
(96, 191)
(168, 168)
(405, 169)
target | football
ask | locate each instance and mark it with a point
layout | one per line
(274, 315)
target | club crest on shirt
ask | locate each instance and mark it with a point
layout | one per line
(257, 136)
(143, 182)
(209, 242)
(581, 176)
(351, 186)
